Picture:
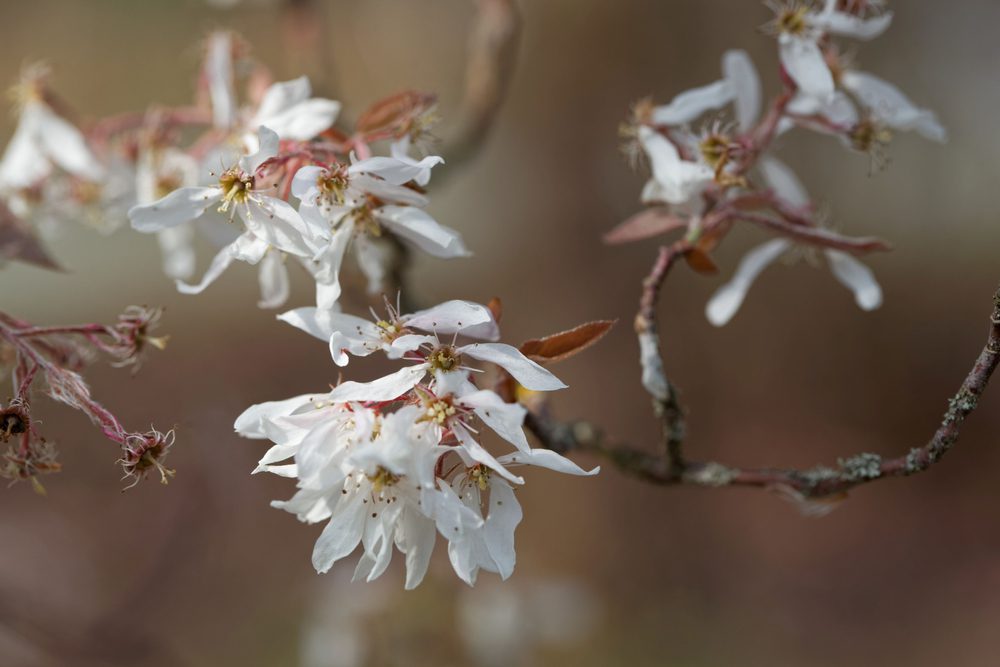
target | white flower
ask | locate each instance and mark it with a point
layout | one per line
(491, 546)
(674, 180)
(44, 139)
(846, 269)
(357, 202)
(800, 29)
(288, 109)
(349, 334)
(272, 225)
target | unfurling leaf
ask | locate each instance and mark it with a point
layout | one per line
(565, 344)
(496, 308)
(645, 224)
(699, 260)
(394, 114)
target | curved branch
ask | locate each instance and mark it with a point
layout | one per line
(669, 467)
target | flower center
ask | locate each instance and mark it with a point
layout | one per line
(868, 136)
(382, 479)
(236, 186)
(444, 358)
(440, 411)
(715, 150)
(333, 185)
(480, 476)
(792, 20)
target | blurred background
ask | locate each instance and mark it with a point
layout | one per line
(611, 570)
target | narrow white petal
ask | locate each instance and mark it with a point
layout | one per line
(268, 148)
(847, 25)
(178, 207)
(418, 227)
(529, 374)
(780, 178)
(341, 535)
(692, 103)
(304, 120)
(276, 222)
(450, 317)
(23, 163)
(498, 533)
(480, 455)
(856, 277)
(677, 180)
(281, 96)
(273, 279)
(177, 251)
(804, 62)
(219, 73)
(219, 264)
(546, 458)
(506, 419)
(892, 107)
(250, 423)
(65, 145)
(385, 388)
(739, 71)
(727, 300)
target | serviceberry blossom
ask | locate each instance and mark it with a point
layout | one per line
(703, 182)
(846, 269)
(271, 225)
(802, 30)
(399, 460)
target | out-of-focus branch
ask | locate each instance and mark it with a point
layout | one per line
(491, 60)
(814, 483)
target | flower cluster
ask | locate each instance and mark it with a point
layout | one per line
(264, 176)
(703, 181)
(395, 461)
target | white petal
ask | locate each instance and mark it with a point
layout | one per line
(739, 71)
(397, 171)
(546, 458)
(804, 62)
(276, 222)
(506, 419)
(23, 164)
(385, 388)
(848, 25)
(450, 317)
(305, 180)
(480, 455)
(415, 537)
(273, 278)
(692, 103)
(418, 227)
(177, 250)
(219, 73)
(856, 277)
(281, 96)
(341, 535)
(780, 178)
(374, 257)
(726, 301)
(304, 120)
(528, 374)
(250, 423)
(65, 145)
(268, 148)
(352, 335)
(180, 206)
(327, 274)
(892, 107)
(504, 516)
(219, 264)
(308, 320)
(677, 180)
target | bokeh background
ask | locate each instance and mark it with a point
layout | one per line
(611, 571)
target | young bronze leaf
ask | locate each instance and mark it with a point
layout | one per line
(699, 260)
(565, 344)
(395, 113)
(17, 241)
(496, 307)
(643, 225)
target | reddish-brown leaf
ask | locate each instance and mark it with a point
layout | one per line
(496, 307)
(699, 260)
(18, 241)
(645, 224)
(565, 344)
(394, 113)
